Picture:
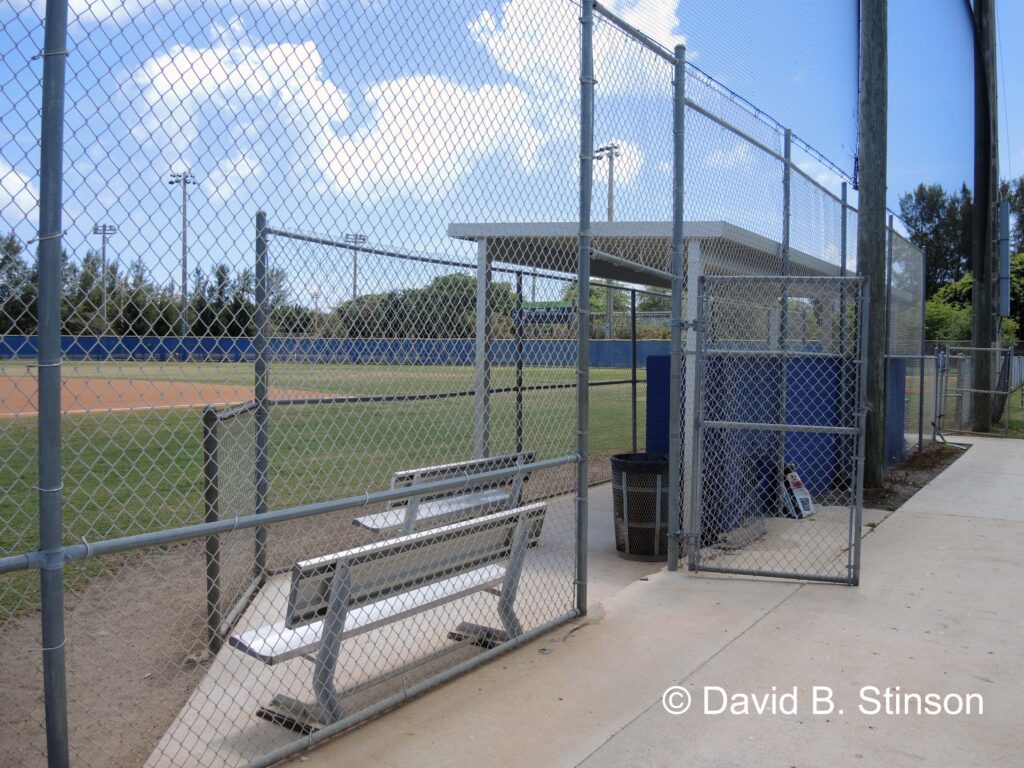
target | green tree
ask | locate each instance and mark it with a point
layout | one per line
(658, 301)
(940, 225)
(443, 309)
(17, 289)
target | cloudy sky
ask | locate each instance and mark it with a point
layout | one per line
(394, 118)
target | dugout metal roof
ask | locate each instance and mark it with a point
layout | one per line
(726, 249)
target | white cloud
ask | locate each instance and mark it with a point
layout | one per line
(427, 132)
(270, 113)
(252, 105)
(736, 156)
(654, 18)
(821, 174)
(537, 41)
(19, 196)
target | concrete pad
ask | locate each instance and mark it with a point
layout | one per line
(918, 621)
(939, 610)
(557, 700)
(218, 723)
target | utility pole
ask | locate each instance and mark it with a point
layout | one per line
(871, 178)
(104, 231)
(183, 178)
(986, 177)
(355, 238)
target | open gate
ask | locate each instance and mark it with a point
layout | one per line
(779, 435)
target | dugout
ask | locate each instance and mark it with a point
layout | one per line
(638, 253)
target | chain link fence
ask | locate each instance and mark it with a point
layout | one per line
(910, 373)
(322, 378)
(319, 453)
(977, 388)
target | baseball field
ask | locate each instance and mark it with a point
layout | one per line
(132, 432)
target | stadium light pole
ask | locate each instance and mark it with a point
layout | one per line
(354, 238)
(610, 151)
(184, 179)
(104, 231)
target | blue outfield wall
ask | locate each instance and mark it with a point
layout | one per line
(536, 352)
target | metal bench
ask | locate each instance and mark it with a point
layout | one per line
(476, 496)
(338, 596)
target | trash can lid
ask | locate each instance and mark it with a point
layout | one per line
(640, 462)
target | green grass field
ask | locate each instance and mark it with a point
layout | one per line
(126, 473)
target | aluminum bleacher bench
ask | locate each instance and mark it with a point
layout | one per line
(338, 596)
(475, 497)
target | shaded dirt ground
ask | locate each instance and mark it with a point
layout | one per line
(904, 480)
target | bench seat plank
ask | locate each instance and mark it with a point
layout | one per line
(393, 519)
(275, 644)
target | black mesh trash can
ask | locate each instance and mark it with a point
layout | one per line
(640, 502)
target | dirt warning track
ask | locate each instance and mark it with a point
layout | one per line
(94, 395)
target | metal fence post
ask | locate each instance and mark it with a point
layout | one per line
(863, 331)
(211, 505)
(609, 311)
(632, 356)
(924, 351)
(888, 291)
(887, 349)
(787, 211)
(583, 299)
(843, 235)
(518, 330)
(51, 575)
(482, 363)
(262, 395)
(675, 410)
(695, 489)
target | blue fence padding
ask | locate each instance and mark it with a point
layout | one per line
(745, 462)
(658, 378)
(813, 398)
(895, 410)
(536, 352)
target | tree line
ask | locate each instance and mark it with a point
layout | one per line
(124, 302)
(940, 225)
(222, 303)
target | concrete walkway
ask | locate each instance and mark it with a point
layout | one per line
(940, 610)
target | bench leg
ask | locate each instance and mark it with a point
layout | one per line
(489, 637)
(330, 644)
(307, 717)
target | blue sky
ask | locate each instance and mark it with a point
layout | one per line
(394, 117)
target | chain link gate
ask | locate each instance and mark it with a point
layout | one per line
(778, 433)
(977, 384)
